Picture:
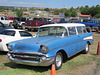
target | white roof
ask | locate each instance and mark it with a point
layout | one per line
(15, 29)
(64, 25)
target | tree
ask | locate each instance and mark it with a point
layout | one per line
(56, 11)
(47, 9)
(86, 6)
(71, 9)
(67, 13)
(85, 11)
(97, 15)
(19, 12)
(73, 13)
(93, 11)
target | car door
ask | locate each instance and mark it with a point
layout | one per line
(74, 44)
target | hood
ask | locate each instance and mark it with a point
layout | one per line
(33, 44)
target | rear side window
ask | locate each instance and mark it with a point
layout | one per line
(72, 31)
(79, 30)
(8, 32)
(25, 34)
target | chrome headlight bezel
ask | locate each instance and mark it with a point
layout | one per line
(44, 48)
(9, 47)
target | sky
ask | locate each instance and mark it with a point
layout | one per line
(50, 3)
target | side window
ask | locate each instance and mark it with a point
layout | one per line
(24, 34)
(84, 30)
(72, 31)
(8, 32)
(61, 31)
(79, 30)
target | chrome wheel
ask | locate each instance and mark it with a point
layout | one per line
(58, 60)
(86, 50)
(87, 47)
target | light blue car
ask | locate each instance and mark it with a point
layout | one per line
(53, 44)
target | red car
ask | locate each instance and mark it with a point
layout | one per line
(10, 18)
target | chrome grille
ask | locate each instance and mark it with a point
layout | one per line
(28, 57)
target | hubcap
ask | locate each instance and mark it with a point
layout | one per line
(87, 48)
(58, 60)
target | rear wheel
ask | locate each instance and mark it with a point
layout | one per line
(58, 60)
(86, 50)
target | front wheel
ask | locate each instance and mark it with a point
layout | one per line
(86, 50)
(58, 60)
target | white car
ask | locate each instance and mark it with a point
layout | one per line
(5, 20)
(10, 35)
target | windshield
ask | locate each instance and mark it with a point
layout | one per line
(52, 31)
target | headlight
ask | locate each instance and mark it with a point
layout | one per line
(44, 49)
(9, 47)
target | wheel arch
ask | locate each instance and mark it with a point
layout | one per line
(64, 54)
(89, 42)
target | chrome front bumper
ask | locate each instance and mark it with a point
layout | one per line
(35, 59)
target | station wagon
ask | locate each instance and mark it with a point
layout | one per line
(53, 44)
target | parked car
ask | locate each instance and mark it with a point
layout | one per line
(36, 23)
(2, 26)
(59, 20)
(10, 35)
(74, 20)
(53, 44)
(5, 20)
(11, 18)
(91, 23)
(19, 22)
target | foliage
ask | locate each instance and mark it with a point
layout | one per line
(19, 12)
(47, 9)
(71, 9)
(85, 11)
(97, 15)
(73, 13)
(67, 13)
(93, 11)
